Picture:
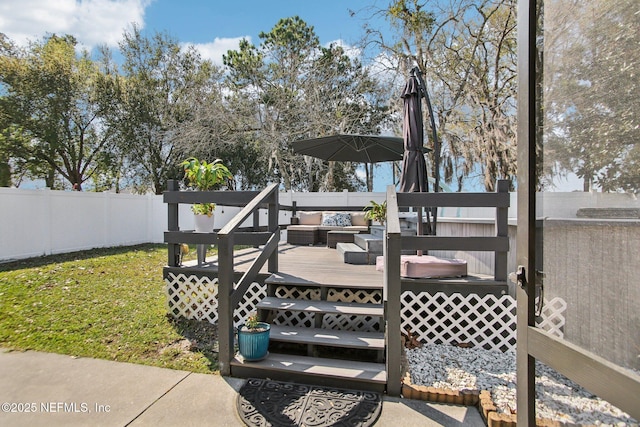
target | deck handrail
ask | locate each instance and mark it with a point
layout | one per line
(229, 295)
(395, 242)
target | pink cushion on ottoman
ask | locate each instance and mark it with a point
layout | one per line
(427, 266)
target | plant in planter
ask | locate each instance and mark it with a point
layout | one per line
(376, 211)
(203, 176)
(253, 338)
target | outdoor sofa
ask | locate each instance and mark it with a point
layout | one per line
(311, 228)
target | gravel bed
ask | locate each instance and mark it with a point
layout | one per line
(557, 397)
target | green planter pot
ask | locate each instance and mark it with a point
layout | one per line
(254, 344)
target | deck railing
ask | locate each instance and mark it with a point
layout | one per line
(395, 243)
(229, 292)
(229, 295)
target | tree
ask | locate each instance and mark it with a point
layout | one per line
(53, 122)
(466, 51)
(270, 77)
(291, 88)
(591, 86)
(343, 98)
(155, 95)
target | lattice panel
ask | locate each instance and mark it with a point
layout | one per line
(296, 318)
(195, 297)
(192, 297)
(488, 322)
(298, 293)
(356, 323)
(552, 318)
(373, 296)
(247, 305)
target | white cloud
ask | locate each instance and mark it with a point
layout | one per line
(218, 47)
(92, 22)
(351, 51)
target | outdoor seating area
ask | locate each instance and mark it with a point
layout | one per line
(312, 228)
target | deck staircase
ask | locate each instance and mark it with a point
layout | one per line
(329, 342)
(366, 247)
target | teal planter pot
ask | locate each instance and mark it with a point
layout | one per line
(253, 344)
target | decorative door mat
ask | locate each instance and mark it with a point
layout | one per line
(264, 403)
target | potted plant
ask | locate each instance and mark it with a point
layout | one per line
(203, 176)
(376, 211)
(253, 338)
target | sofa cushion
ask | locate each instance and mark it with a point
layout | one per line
(310, 218)
(357, 218)
(330, 227)
(427, 266)
(336, 219)
(358, 228)
(302, 227)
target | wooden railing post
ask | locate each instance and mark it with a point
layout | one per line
(225, 309)
(391, 294)
(173, 249)
(274, 227)
(502, 230)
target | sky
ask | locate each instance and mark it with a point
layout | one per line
(212, 26)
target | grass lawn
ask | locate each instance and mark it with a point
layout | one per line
(103, 303)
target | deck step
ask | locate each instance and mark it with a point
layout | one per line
(327, 307)
(352, 253)
(480, 284)
(369, 242)
(314, 370)
(328, 337)
(284, 279)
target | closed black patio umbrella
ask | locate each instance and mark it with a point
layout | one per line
(414, 169)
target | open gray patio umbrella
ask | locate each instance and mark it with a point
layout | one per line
(414, 169)
(352, 148)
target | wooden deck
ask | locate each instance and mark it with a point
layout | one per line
(315, 265)
(323, 266)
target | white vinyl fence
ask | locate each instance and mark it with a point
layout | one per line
(44, 222)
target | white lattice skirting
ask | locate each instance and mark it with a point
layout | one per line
(195, 297)
(488, 321)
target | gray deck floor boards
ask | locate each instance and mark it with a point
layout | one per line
(329, 307)
(335, 338)
(346, 369)
(313, 264)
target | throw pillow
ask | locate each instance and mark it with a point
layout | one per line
(309, 218)
(336, 219)
(343, 219)
(357, 218)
